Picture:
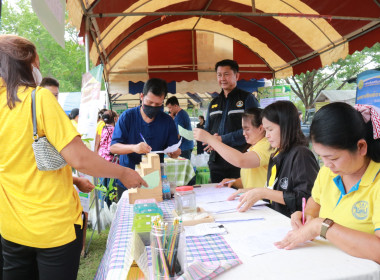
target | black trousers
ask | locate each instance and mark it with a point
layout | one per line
(58, 263)
(221, 169)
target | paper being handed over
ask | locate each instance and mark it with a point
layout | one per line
(170, 149)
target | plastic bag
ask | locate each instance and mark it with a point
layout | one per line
(200, 160)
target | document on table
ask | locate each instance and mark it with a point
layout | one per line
(258, 243)
(212, 194)
(226, 206)
(188, 134)
(205, 229)
(169, 149)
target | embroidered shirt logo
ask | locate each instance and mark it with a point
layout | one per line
(214, 106)
(360, 210)
(239, 104)
(284, 183)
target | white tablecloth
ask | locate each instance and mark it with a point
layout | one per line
(315, 260)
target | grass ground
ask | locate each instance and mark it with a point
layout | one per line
(89, 265)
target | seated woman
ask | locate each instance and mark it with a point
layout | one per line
(254, 164)
(344, 207)
(292, 168)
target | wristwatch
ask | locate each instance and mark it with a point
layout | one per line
(326, 224)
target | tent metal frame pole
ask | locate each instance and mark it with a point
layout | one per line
(243, 14)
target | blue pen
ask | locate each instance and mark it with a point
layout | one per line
(142, 137)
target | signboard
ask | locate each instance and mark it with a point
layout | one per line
(368, 88)
(88, 110)
(268, 95)
(52, 15)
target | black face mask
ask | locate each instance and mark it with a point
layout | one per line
(151, 111)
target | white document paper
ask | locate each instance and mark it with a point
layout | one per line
(169, 149)
(226, 206)
(211, 194)
(258, 243)
(205, 229)
(185, 133)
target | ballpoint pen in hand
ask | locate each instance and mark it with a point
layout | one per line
(142, 137)
(226, 183)
(303, 210)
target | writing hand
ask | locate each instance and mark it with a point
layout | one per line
(227, 182)
(142, 148)
(296, 219)
(298, 236)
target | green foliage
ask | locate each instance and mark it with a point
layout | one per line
(307, 86)
(66, 65)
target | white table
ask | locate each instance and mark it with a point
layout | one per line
(315, 260)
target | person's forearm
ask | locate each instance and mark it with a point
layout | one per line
(312, 208)
(355, 243)
(233, 156)
(82, 159)
(273, 195)
(122, 149)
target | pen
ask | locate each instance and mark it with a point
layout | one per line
(226, 183)
(303, 210)
(142, 137)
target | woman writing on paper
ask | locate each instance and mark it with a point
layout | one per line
(254, 163)
(41, 215)
(292, 168)
(345, 203)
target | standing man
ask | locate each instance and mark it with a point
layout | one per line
(181, 118)
(224, 118)
(144, 128)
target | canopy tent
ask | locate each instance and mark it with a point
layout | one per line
(181, 39)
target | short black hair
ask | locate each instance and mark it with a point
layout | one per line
(156, 86)
(172, 101)
(74, 112)
(228, 62)
(285, 114)
(338, 125)
(48, 81)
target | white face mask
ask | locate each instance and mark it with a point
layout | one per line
(37, 75)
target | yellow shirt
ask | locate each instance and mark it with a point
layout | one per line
(359, 209)
(75, 124)
(38, 208)
(99, 127)
(256, 177)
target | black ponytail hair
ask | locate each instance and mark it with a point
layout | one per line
(338, 125)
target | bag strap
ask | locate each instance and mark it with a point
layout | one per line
(35, 136)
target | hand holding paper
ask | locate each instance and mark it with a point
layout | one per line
(170, 149)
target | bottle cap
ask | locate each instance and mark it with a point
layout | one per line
(184, 188)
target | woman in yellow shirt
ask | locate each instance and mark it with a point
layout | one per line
(254, 163)
(345, 203)
(41, 215)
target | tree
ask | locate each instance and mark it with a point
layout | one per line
(307, 86)
(66, 65)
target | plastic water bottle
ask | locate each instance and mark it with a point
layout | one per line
(165, 188)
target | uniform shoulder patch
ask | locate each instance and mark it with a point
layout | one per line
(239, 104)
(214, 106)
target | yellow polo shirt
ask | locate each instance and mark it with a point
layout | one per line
(256, 177)
(99, 127)
(38, 208)
(358, 209)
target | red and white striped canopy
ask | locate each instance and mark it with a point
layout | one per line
(181, 40)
